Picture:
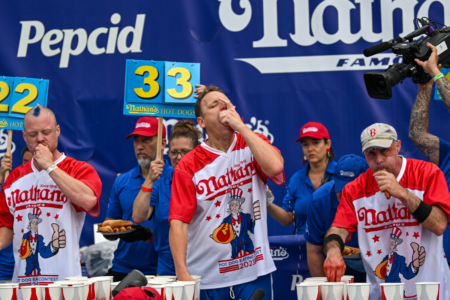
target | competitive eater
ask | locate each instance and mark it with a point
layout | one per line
(399, 208)
(43, 205)
(218, 210)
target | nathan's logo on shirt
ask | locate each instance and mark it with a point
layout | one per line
(373, 217)
(214, 184)
(143, 124)
(278, 253)
(48, 193)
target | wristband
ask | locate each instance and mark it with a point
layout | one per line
(50, 169)
(334, 237)
(422, 212)
(146, 189)
(438, 76)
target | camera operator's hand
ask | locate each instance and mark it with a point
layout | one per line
(431, 65)
(430, 83)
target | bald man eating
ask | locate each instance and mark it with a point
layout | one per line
(43, 204)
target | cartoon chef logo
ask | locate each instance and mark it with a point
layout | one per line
(235, 227)
(33, 243)
(394, 264)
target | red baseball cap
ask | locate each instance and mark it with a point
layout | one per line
(136, 293)
(314, 130)
(147, 126)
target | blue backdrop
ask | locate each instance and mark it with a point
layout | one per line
(283, 63)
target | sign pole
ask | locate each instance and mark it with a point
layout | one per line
(8, 147)
(160, 137)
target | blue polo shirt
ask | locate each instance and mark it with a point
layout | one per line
(138, 255)
(321, 215)
(160, 199)
(6, 263)
(299, 195)
(444, 165)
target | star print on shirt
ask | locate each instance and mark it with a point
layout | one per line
(250, 190)
(416, 235)
(368, 254)
(217, 204)
(56, 217)
(218, 216)
(208, 218)
(376, 238)
(48, 214)
(22, 230)
(379, 251)
(407, 233)
(19, 218)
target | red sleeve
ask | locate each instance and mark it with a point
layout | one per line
(6, 218)
(87, 174)
(183, 200)
(436, 192)
(278, 179)
(345, 215)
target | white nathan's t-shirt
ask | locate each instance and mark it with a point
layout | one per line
(33, 205)
(226, 248)
(388, 234)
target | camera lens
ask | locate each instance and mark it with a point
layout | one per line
(378, 85)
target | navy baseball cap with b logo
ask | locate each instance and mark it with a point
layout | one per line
(347, 169)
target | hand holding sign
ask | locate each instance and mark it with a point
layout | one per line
(58, 237)
(6, 164)
(156, 169)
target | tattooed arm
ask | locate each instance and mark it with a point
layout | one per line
(418, 124)
(444, 88)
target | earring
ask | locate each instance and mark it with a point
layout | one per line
(304, 158)
(329, 155)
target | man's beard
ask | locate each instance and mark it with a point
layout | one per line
(145, 162)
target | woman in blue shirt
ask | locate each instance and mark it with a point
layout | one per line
(318, 155)
(156, 204)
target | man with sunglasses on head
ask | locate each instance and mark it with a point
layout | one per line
(133, 251)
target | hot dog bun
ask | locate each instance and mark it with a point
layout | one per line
(114, 226)
(105, 229)
(350, 250)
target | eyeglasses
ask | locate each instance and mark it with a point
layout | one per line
(174, 154)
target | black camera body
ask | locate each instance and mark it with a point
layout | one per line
(379, 84)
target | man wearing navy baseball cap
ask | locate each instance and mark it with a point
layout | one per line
(323, 208)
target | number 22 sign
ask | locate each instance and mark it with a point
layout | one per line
(160, 88)
(17, 96)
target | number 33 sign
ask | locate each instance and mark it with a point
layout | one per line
(17, 96)
(158, 88)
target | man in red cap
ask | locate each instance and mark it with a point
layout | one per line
(127, 187)
(203, 181)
